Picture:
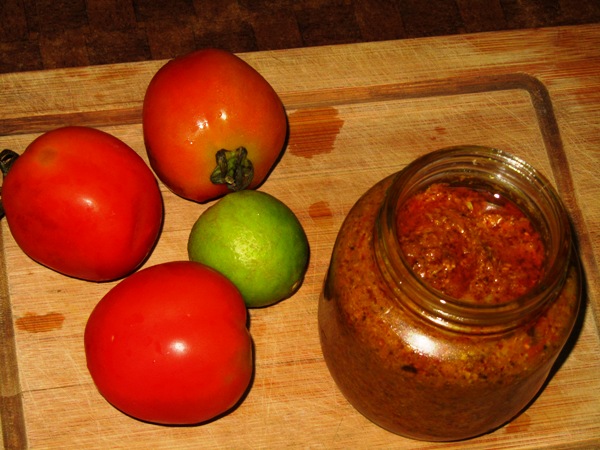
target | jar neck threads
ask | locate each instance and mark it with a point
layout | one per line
(504, 176)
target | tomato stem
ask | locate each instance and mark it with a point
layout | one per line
(233, 169)
(7, 159)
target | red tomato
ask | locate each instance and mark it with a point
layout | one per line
(204, 102)
(169, 344)
(82, 202)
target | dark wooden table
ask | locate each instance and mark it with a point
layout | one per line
(47, 34)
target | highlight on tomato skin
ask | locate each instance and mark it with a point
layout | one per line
(212, 124)
(80, 201)
(170, 345)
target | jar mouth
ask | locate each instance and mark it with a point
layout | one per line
(501, 174)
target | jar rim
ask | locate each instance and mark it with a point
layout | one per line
(472, 160)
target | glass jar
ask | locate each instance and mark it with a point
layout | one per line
(428, 365)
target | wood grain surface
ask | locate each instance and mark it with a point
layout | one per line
(357, 113)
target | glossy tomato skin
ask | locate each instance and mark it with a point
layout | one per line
(170, 344)
(201, 103)
(82, 202)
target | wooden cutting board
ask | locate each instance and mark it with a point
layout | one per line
(357, 113)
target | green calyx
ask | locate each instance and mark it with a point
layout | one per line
(233, 169)
(7, 159)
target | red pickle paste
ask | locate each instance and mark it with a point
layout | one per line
(469, 245)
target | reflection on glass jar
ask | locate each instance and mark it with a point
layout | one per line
(452, 288)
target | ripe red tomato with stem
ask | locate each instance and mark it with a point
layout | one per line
(211, 124)
(82, 202)
(170, 344)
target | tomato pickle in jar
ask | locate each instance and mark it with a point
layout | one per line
(452, 288)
